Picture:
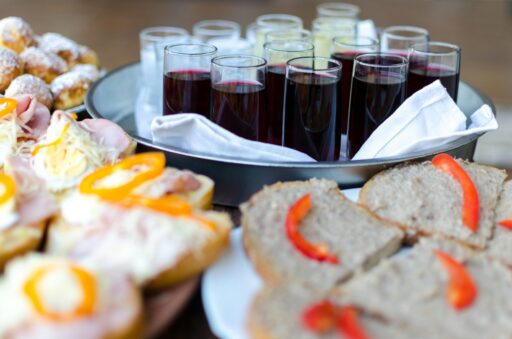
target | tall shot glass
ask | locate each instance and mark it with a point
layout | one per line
(312, 121)
(207, 30)
(378, 89)
(273, 22)
(187, 78)
(398, 39)
(238, 95)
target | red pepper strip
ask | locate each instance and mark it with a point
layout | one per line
(296, 213)
(506, 223)
(321, 317)
(471, 202)
(348, 324)
(462, 290)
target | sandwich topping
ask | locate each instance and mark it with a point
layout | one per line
(296, 213)
(8, 215)
(461, 290)
(507, 223)
(471, 202)
(324, 317)
(7, 106)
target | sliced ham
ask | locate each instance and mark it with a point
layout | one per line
(33, 114)
(107, 133)
(170, 181)
(34, 202)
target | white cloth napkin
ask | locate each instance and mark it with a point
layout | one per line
(195, 133)
(428, 118)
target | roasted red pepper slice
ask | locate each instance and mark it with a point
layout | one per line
(348, 324)
(471, 202)
(296, 213)
(507, 223)
(462, 290)
(320, 317)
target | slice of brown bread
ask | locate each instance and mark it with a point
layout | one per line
(500, 246)
(411, 289)
(426, 201)
(350, 232)
(277, 312)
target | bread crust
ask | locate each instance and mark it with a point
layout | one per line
(23, 243)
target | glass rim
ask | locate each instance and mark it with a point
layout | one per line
(402, 60)
(304, 69)
(266, 46)
(262, 61)
(391, 32)
(168, 49)
(284, 31)
(337, 6)
(226, 26)
(371, 41)
(318, 24)
(146, 33)
(292, 20)
(453, 49)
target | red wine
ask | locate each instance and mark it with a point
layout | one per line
(347, 60)
(422, 75)
(187, 91)
(374, 99)
(239, 107)
(276, 77)
(312, 121)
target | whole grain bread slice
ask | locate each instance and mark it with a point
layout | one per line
(356, 237)
(410, 289)
(500, 246)
(426, 201)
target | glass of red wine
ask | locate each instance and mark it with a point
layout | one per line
(239, 95)
(398, 39)
(431, 61)
(277, 53)
(345, 49)
(312, 120)
(187, 78)
(378, 89)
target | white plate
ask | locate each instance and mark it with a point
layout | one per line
(229, 286)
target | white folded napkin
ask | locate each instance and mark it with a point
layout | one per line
(428, 118)
(195, 133)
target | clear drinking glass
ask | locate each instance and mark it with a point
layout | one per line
(326, 28)
(338, 9)
(398, 39)
(296, 34)
(207, 30)
(432, 61)
(378, 89)
(238, 95)
(345, 49)
(274, 22)
(277, 53)
(187, 78)
(312, 121)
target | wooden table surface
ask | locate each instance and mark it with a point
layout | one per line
(481, 27)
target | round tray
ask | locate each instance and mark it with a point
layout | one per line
(113, 97)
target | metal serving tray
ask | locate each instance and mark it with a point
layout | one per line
(113, 97)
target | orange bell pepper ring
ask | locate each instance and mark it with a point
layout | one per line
(471, 201)
(321, 317)
(296, 213)
(9, 188)
(7, 106)
(348, 324)
(87, 285)
(462, 290)
(155, 161)
(507, 223)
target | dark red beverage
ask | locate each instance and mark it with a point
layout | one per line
(312, 121)
(187, 91)
(347, 61)
(276, 77)
(239, 107)
(422, 75)
(374, 99)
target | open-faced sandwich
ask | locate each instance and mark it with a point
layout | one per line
(49, 297)
(140, 218)
(25, 207)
